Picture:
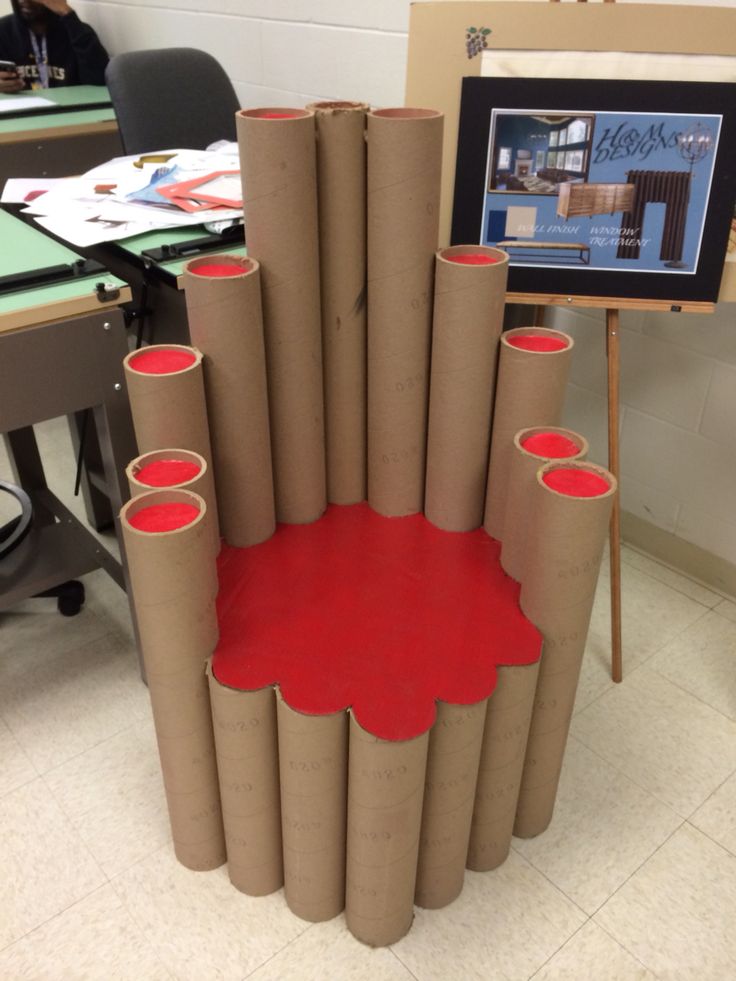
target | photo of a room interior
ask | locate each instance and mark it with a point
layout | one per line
(536, 152)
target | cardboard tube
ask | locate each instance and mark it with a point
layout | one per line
(524, 463)
(452, 770)
(404, 163)
(502, 759)
(176, 468)
(168, 406)
(279, 173)
(248, 766)
(342, 247)
(313, 764)
(565, 546)
(468, 316)
(172, 575)
(530, 391)
(223, 297)
(385, 793)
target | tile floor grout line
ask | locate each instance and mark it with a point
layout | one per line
(710, 837)
(532, 976)
(718, 597)
(405, 966)
(639, 868)
(692, 694)
(53, 917)
(629, 952)
(554, 885)
(619, 888)
(307, 928)
(106, 739)
(74, 828)
(647, 790)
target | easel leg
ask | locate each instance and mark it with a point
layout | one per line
(612, 356)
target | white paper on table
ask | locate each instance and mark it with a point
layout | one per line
(17, 189)
(90, 230)
(74, 211)
(23, 102)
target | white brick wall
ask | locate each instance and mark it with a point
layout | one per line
(678, 418)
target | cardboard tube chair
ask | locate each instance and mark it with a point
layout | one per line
(319, 803)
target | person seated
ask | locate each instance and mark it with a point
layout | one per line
(50, 46)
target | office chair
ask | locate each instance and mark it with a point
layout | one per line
(171, 98)
(70, 594)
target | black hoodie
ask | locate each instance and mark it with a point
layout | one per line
(75, 55)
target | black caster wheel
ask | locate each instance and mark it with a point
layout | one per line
(71, 598)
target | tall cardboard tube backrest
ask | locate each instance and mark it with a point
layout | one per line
(175, 469)
(532, 376)
(469, 299)
(532, 447)
(278, 166)
(173, 577)
(571, 507)
(341, 171)
(223, 297)
(404, 162)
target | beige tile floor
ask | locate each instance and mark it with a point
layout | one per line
(635, 878)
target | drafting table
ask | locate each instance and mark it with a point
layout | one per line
(75, 134)
(62, 342)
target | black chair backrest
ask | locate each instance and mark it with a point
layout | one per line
(171, 98)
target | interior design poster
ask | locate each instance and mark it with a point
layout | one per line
(596, 187)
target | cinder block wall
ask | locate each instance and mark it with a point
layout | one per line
(275, 51)
(678, 409)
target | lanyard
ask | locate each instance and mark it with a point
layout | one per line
(42, 59)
